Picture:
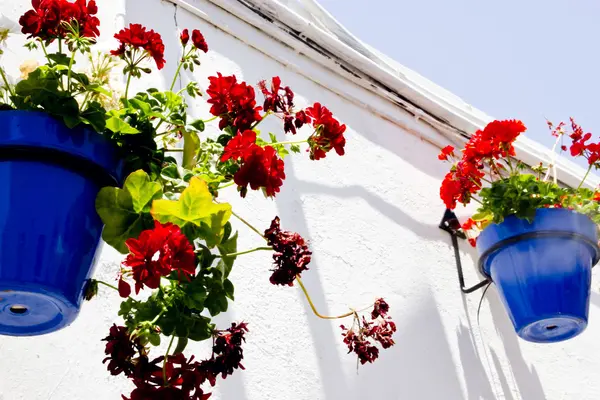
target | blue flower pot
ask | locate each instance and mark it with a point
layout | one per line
(49, 229)
(542, 271)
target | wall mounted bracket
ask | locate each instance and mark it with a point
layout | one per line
(451, 225)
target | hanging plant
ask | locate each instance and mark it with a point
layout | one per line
(165, 214)
(537, 240)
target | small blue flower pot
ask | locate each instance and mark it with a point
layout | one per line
(49, 229)
(542, 271)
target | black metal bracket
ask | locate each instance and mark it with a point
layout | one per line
(451, 225)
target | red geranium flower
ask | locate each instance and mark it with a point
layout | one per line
(329, 133)
(198, 40)
(157, 252)
(233, 102)
(261, 168)
(137, 37)
(240, 146)
(184, 37)
(291, 254)
(46, 19)
(120, 348)
(447, 151)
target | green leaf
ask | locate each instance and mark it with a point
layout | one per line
(138, 104)
(181, 345)
(294, 148)
(228, 287)
(198, 124)
(142, 190)
(273, 137)
(191, 145)
(60, 58)
(195, 212)
(117, 125)
(228, 246)
(94, 87)
(95, 116)
(122, 210)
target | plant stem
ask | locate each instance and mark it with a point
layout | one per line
(176, 75)
(262, 119)
(477, 201)
(60, 46)
(211, 119)
(108, 285)
(225, 186)
(248, 225)
(8, 88)
(585, 177)
(160, 314)
(43, 46)
(69, 71)
(312, 306)
(239, 253)
(289, 142)
(175, 150)
(127, 85)
(165, 360)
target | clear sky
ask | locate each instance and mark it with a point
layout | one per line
(524, 59)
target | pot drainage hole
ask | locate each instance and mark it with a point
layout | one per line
(18, 309)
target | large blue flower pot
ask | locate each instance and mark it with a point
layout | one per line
(49, 230)
(542, 271)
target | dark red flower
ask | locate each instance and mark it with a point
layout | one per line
(261, 168)
(124, 288)
(228, 349)
(198, 40)
(468, 224)
(446, 152)
(363, 335)
(137, 37)
(120, 348)
(380, 309)
(157, 252)
(291, 254)
(233, 102)
(329, 133)
(360, 345)
(472, 241)
(184, 37)
(240, 146)
(46, 19)
(279, 100)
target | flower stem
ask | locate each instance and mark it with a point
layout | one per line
(175, 150)
(164, 370)
(8, 88)
(176, 75)
(248, 225)
(43, 46)
(312, 306)
(60, 46)
(108, 285)
(239, 253)
(160, 314)
(70, 71)
(585, 177)
(127, 85)
(225, 186)
(289, 142)
(261, 120)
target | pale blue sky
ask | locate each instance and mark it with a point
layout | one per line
(524, 59)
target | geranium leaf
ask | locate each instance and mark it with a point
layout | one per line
(196, 211)
(142, 190)
(191, 145)
(228, 246)
(124, 211)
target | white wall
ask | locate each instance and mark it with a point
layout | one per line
(371, 217)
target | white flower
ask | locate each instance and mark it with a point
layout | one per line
(28, 67)
(7, 27)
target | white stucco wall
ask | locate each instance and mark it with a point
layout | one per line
(371, 218)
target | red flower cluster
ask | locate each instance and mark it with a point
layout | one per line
(260, 166)
(137, 37)
(446, 152)
(46, 19)
(329, 133)
(184, 378)
(156, 253)
(579, 147)
(280, 100)
(291, 254)
(233, 102)
(495, 141)
(380, 329)
(197, 39)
